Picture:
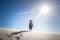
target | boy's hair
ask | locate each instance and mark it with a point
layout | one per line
(30, 21)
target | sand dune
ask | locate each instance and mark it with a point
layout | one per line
(27, 35)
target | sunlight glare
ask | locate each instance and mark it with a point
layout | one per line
(44, 9)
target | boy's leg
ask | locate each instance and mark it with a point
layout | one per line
(31, 29)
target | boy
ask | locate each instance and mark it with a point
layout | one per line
(30, 25)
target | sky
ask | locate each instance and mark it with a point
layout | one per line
(15, 14)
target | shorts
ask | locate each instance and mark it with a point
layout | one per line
(30, 27)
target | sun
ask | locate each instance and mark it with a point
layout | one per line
(44, 9)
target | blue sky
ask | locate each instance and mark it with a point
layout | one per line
(15, 14)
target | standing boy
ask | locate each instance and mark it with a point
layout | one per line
(30, 25)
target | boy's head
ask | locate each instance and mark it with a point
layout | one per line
(30, 21)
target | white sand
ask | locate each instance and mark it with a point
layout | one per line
(28, 35)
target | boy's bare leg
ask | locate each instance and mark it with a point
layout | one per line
(29, 29)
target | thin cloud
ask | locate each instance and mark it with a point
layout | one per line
(24, 13)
